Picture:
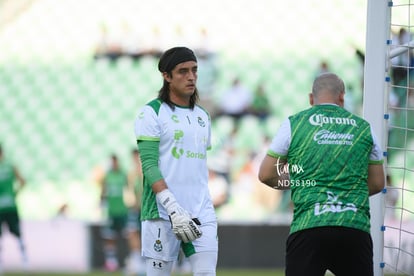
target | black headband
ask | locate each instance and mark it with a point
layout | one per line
(174, 56)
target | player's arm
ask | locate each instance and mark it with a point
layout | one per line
(19, 178)
(183, 226)
(376, 174)
(129, 191)
(271, 172)
(103, 189)
(376, 178)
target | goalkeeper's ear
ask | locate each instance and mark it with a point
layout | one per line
(311, 100)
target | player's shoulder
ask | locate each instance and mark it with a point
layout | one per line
(203, 110)
(150, 110)
(300, 114)
(357, 120)
(154, 104)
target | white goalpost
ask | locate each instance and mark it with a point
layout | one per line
(374, 107)
(389, 106)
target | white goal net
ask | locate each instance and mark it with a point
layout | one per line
(398, 225)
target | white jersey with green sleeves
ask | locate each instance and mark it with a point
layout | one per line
(328, 151)
(184, 138)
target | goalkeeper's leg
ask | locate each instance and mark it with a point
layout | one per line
(159, 247)
(204, 263)
(158, 267)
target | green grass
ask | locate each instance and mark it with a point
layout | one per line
(220, 272)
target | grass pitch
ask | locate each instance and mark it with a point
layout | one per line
(220, 272)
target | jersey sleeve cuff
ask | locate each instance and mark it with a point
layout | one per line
(376, 162)
(148, 138)
(276, 155)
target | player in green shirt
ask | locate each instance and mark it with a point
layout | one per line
(332, 163)
(9, 214)
(136, 263)
(114, 184)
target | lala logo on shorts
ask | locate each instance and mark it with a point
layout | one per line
(158, 246)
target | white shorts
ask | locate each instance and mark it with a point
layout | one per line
(159, 242)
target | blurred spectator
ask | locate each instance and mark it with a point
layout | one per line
(9, 214)
(351, 103)
(204, 49)
(62, 212)
(208, 72)
(222, 161)
(361, 57)
(108, 45)
(401, 63)
(323, 67)
(235, 101)
(260, 106)
(218, 187)
(123, 42)
(276, 201)
(391, 198)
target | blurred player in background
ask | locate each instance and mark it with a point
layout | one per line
(173, 136)
(114, 184)
(332, 163)
(9, 214)
(136, 264)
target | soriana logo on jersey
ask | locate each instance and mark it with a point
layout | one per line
(177, 151)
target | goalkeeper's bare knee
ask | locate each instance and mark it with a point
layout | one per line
(156, 267)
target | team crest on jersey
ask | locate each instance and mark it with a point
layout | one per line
(201, 122)
(175, 118)
(158, 246)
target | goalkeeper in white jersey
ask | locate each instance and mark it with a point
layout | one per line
(173, 136)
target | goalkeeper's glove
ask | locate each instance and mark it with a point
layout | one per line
(183, 226)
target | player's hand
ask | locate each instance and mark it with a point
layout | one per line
(182, 225)
(184, 228)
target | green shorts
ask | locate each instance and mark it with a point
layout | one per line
(134, 220)
(116, 225)
(12, 220)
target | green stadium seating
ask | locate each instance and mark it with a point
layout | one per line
(65, 112)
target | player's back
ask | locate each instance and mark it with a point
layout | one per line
(328, 165)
